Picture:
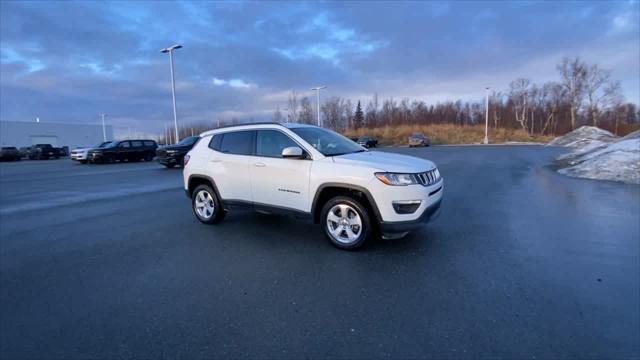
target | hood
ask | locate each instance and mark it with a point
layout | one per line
(384, 161)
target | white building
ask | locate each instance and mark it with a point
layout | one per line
(22, 133)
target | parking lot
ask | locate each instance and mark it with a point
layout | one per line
(107, 261)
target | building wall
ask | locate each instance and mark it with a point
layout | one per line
(22, 133)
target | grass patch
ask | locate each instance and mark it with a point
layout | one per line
(446, 134)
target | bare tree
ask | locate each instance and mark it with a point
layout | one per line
(332, 112)
(292, 114)
(306, 111)
(519, 93)
(595, 81)
(573, 73)
(277, 115)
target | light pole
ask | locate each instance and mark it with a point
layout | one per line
(317, 90)
(173, 84)
(104, 132)
(486, 118)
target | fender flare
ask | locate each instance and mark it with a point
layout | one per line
(364, 191)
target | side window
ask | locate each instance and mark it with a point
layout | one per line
(271, 143)
(215, 142)
(137, 144)
(124, 144)
(237, 142)
(149, 143)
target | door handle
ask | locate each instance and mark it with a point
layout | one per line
(259, 164)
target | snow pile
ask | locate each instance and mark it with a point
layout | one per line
(601, 155)
(583, 136)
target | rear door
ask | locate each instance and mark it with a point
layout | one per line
(275, 180)
(229, 164)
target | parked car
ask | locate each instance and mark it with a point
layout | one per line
(25, 151)
(9, 153)
(43, 152)
(172, 155)
(124, 150)
(314, 172)
(64, 151)
(81, 154)
(418, 140)
(368, 142)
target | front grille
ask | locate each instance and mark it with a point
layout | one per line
(429, 177)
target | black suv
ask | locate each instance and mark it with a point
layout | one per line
(173, 155)
(124, 150)
(43, 151)
(367, 142)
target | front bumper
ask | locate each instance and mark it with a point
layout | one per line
(394, 224)
(401, 228)
(170, 159)
(79, 156)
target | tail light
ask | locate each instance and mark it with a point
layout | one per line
(186, 159)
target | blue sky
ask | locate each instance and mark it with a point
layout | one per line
(68, 61)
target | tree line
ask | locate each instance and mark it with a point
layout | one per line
(584, 94)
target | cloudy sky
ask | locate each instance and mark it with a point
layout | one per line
(68, 61)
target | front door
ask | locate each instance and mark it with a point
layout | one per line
(277, 181)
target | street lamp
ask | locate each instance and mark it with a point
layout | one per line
(486, 118)
(173, 84)
(104, 132)
(317, 90)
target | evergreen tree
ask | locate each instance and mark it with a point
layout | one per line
(358, 118)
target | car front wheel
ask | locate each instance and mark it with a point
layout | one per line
(346, 222)
(206, 205)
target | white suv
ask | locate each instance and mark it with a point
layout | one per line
(293, 168)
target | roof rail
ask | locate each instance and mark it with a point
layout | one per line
(249, 123)
(207, 132)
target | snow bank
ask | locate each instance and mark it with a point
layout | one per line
(582, 136)
(600, 155)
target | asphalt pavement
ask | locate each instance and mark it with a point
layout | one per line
(108, 261)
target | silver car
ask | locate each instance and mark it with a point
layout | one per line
(418, 140)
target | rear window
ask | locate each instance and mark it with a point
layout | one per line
(136, 143)
(9, 148)
(237, 142)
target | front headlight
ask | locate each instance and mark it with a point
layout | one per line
(397, 179)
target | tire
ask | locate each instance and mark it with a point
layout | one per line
(356, 218)
(148, 157)
(169, 166)
(83, 161)
(206, 206)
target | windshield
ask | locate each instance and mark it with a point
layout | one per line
(327, 142)
(188, 140)
(111, 145)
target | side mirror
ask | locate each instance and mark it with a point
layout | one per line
(292, 152)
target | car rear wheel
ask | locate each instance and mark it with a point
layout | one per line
(169, 166)
(206, 205)
(148, 157)
(346, 222)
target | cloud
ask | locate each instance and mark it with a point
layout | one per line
(69, 61)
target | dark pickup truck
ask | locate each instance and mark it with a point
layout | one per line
(124, 150)
(43, 152)
(172, 155)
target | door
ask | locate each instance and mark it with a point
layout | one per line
(137, 150)
(44, 139)
(229, 164)
(275, 180)
(122, 152)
